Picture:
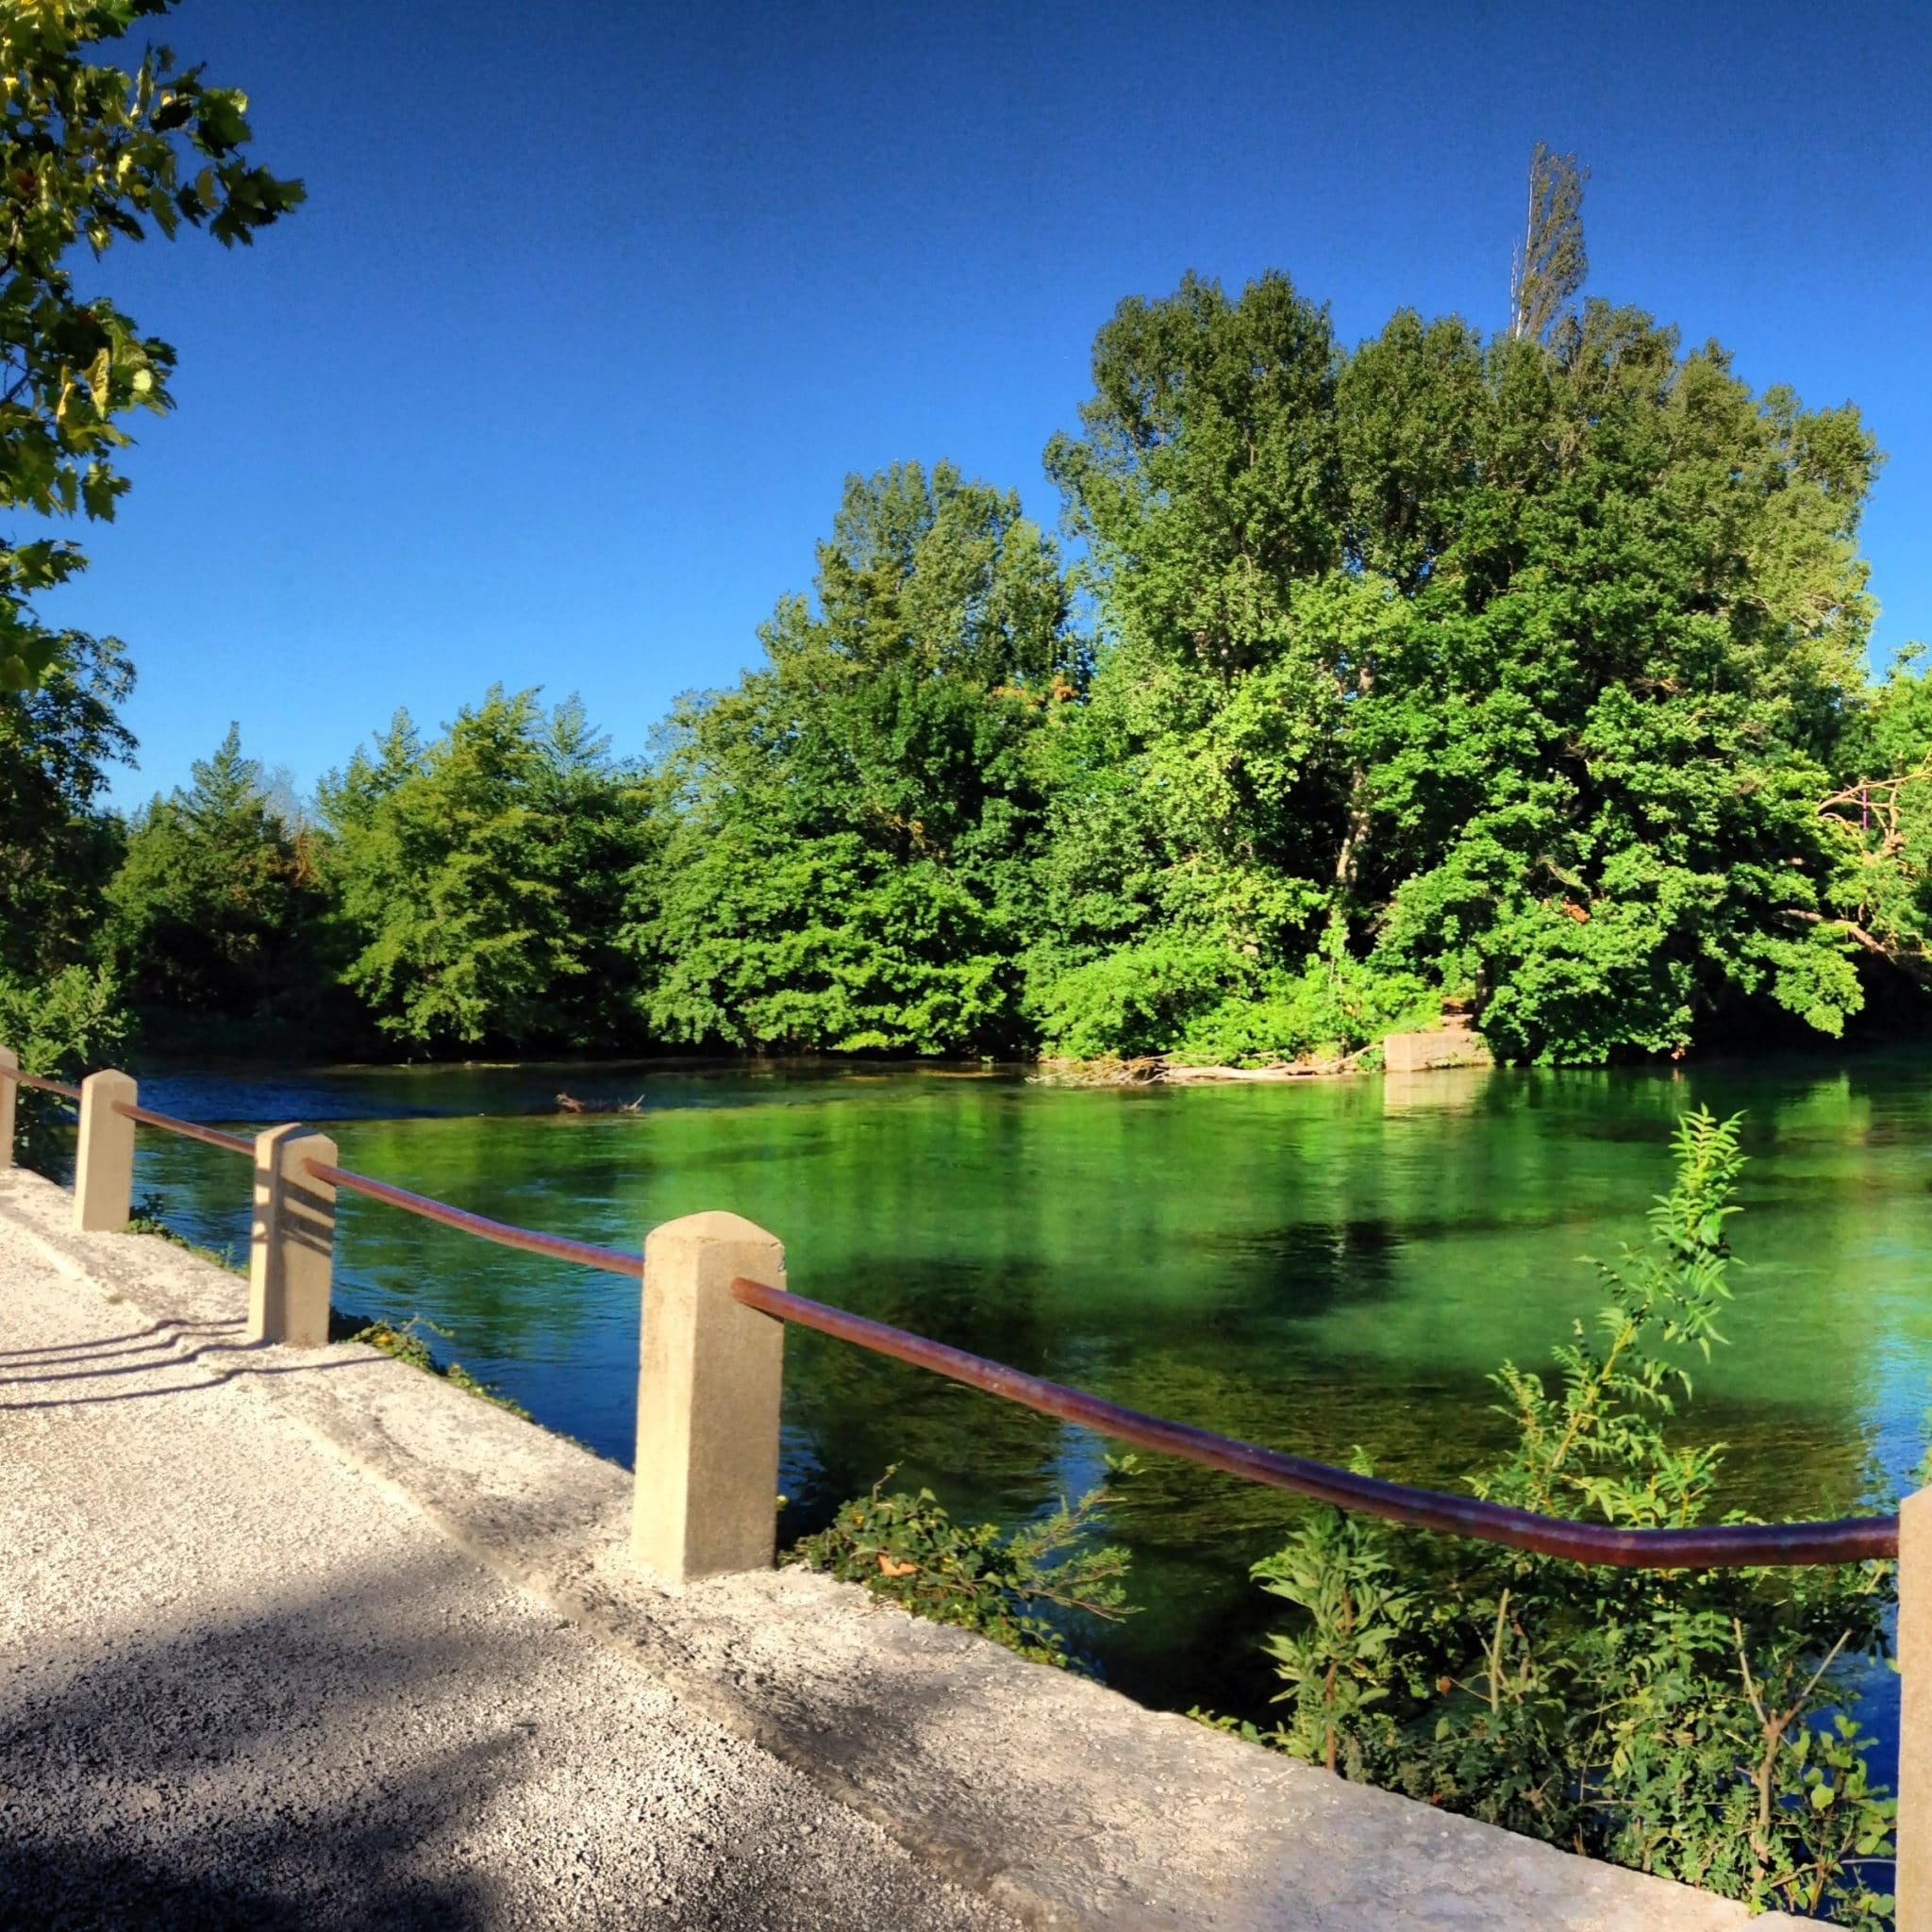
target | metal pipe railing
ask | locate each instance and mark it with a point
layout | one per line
(189, 1130)
(59, 1087)
(503, 1233)
(1741, 1545)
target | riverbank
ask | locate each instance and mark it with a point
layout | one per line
(1157, 1070)
(1452, 1044)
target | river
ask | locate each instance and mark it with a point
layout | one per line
(1314, 1265)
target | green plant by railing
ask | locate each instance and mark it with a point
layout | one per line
(1683, 1722)
(408, 1342)
(59, 1027)
(149, 1217)
(1017, 1588)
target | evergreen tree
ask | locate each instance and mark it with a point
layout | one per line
(215, 910)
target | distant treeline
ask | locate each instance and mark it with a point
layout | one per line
(1528, 671)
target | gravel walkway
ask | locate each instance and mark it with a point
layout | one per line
(240, 1687)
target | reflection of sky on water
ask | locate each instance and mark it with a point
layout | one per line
(1313, 1266)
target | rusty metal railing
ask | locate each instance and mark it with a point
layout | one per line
(59, 1087)
(505, 1233)
(1718, 1546)
(187, 1130)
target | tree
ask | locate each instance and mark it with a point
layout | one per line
(603, 816)
(850, 863)
(1515, 669)
(57, 846)
(214, 908)
(1208, 828)
(1878, 822)
(1524, 671)
(59, 1010)
(1548, 268)
(1598, 752)
(475, 878)
(90, 153)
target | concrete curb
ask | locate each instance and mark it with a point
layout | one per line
(1061, 1800)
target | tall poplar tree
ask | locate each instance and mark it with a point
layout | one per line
(1550, 265)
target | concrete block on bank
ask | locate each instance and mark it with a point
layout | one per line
(104, 1154)
(1438, 1046)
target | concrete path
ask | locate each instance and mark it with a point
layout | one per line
(241, 1687)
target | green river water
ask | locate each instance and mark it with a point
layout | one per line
(1313, 1266)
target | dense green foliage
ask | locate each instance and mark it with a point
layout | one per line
(58, 846)
(1020, 1588)
(60, 1005)
(214, 908)
(91, 152)
(1519, 667)
(1672, 1721)
(479, 879)
(1879, 821)
(854, 829)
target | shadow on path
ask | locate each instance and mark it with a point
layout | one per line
(30, 1361)
(75, 1362)
(106, 1345)
(391, 1747)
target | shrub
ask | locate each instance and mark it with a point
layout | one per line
(407, 1343)
(1209, 1006)
(62, 1027)
(1684, 1723)
(1018, 1587)
(1139, 1000)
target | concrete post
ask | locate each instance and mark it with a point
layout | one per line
(291, 1245)
(1913, 1882)
(103, 1161)
(8, 1090)
(710, 1377)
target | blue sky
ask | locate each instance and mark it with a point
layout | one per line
(555, 377)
